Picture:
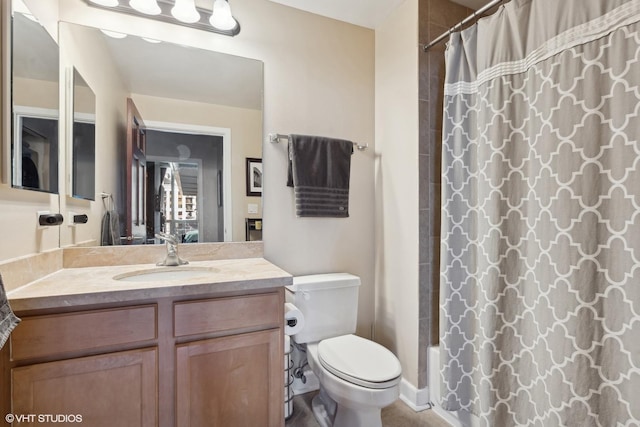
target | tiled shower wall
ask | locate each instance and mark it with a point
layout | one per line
(436, 17)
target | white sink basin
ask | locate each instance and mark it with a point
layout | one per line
(166, 273)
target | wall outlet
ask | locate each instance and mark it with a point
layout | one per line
(47, 219)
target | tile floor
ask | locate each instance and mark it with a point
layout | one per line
(396, 415)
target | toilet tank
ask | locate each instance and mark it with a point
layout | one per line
(329, 303)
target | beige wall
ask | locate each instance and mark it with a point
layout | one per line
(319, 80)
(36, 93)
(396, 88)
(84, 100)
(18, 222)
(246, 140)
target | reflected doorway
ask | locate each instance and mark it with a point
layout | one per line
(184, 177)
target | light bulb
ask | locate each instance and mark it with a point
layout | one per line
(221, 17)
(185, 11)
(107, 3)
(148, 7)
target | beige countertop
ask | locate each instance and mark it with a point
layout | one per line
(70, 287)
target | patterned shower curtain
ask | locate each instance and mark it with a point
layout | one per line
(540, 255)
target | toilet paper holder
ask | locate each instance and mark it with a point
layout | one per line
(293, 319)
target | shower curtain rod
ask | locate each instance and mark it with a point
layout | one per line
(460, 24)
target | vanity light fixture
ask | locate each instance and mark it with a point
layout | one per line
(185, 11)
(218, 19)
(148, 7)
(221, 17)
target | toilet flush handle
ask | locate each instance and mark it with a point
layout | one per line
(306, 295)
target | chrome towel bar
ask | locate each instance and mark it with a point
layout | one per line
(276, 137)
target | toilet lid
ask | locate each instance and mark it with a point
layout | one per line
(359, 361)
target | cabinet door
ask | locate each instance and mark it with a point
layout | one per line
(231, 381)
(106, 390)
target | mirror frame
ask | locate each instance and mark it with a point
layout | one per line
(5, 91)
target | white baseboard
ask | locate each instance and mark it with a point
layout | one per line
(416, 399)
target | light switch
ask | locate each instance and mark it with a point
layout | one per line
(252, 208)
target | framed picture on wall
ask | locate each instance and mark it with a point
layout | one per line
(254, 176)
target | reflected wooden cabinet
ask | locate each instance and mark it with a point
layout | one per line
(197, 362)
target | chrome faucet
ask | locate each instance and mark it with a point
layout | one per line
(172, 258)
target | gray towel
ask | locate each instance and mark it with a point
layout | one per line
(8, 320)
(110, 232)
(319, 170)
(110, 229)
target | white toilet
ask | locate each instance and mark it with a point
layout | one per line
(358, 377)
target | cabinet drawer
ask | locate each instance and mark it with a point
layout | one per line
(55, 334)
(224, 314)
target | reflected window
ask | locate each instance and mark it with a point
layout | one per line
(35, 154)
(179, 200)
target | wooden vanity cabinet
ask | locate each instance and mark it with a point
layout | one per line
(229, 381)
(118, 387)
(199, 362)
(234, 379)
(91, 365)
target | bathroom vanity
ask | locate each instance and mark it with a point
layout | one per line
(205, 350)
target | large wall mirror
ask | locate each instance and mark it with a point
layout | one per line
(190, 119)
(35, 103)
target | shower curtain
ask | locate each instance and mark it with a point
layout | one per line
(540, 254)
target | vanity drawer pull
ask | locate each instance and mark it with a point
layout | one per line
(225, 314)
(71, 332)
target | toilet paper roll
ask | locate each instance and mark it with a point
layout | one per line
(293, 319)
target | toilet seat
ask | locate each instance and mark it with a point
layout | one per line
(360, 361)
